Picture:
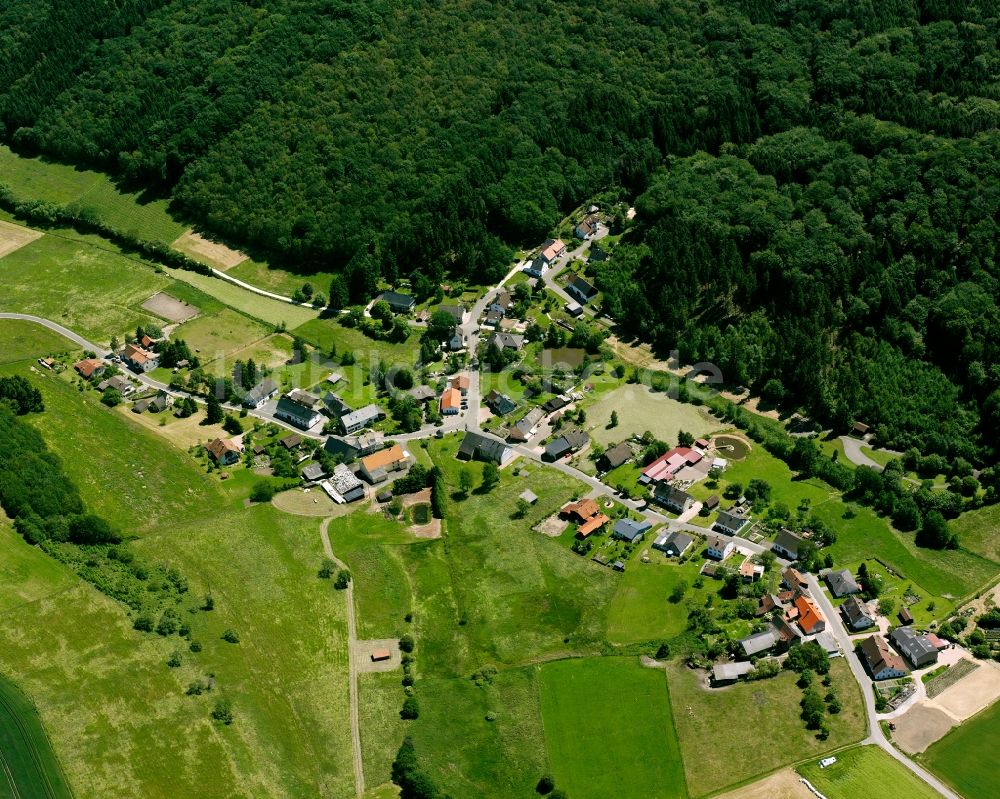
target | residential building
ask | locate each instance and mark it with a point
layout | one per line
(760, 642)
(305, 399)
(261, 394)
(118, 383)
(883, 663)
(672, 498)
(711, 503)
(346, 483)
(592, 525)
(291, 441)
(810, 619)
(915, 647)
(375, 468)
(296, 413)
(580, 511)
(587, 227)
(457, 312)
(842, 583)
(478, 446)
(422, 394)
(552, 249)
(506, 341)
(556, 449)
(828, 643)
(668, 464)
(451, 402)
(351, 447)
(769, 603)
(751, 572)
(787, 544)
(904, 616)
(89, 367)
(526, 426)
(673, 544)
(224, 451)
(140, 360)
(857, 615)
(399, 303)
(615, 457)
(500, 404)
(719, 548)
(793, 580)
(456, 342)
(537, 268)
(729, 523)
(334, 405)
(360, 419)
(580, 290)
(460, 382)
(597, 254)
(629, 530)
(557, 403)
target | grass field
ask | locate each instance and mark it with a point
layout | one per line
(37, 179)
(274, 312)
(93, 291)
(327, 334)
(966, 757)
(640, 409)
(26, 757)
(223, 334)
(20, 341)
(979, 531)
(609, 729)
(866, 771)
(278, 280)
(714, 760)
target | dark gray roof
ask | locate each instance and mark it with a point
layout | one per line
(398, 300)
(557, 449)
(500, 403)
(313, 472)
(730, 521)
(288, 407)
(842, 583)
(483, 447)
(617, 455)
(760, 642)
(577, 439)
(855, 611)
(263, 389)
(788, 541)
(912, 644)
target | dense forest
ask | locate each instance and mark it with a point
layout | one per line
(816, 179)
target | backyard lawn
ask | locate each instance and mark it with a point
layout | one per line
(609, 730)
(714, 760)
(966, 757)
(94, 291)
(867, 771)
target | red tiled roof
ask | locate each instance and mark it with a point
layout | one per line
(592, 525)
(809, 615)
(583, 510)
(451, 399)
(671, 462)
(88, 366)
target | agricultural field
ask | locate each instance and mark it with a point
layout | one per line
(130, 212)
(329, 335)
(609, 729)
(217, 338)
(13, 237)
(966, 757)
(714, 761)
(979, 532)
(27, 341)
(94, 291)
(866, 771)
(26, 757)
(276, 280)
(211, 253)
(640, 409)
(274, 312)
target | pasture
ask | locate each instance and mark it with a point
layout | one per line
(94, 291)
(609, 729)
(14, 237)
(640, 409)
(714, 760)
(866, 771)
(276, 280)
(26, 757)
(21, 341)
(328, 335)
(217, 336)
(274, 312)
(129, 212)
(966, 757)
(979, 531)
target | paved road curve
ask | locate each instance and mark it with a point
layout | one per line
(875, 735)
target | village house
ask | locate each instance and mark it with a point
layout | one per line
(787, 544)
(358, 420)
(351, 447)
(904, 616)
(375, 468)
(291, 442)
(477, 446)
(842, 583)
(728, 673)
(719, 548)
(140, 360)
(673, 544)
(615, 457)
(118, 383)
(399, 303)
(668, 464)
(711, 503)
(89, 367)
(587, 227)
(298, 413)
(629, 530)
(451, 402)
(527, 426)
(455, 342)
(809, 617)
(224, 451)
(856, 614)
(673, 498)
(587, 514)
(769, 603)
(580, 290)
(506, 341)
(757, 643)
(751, 572)
(422, 394)
(793, 580)
(597, 254)
(537, 268)
(346, 484)
(460, 382)
(154, 404)
(882, 662)
(557, 403)
(334, 405)
(261, 394)
(500, 404)
(729, 523)
(916, 648)
(551, 250)
(456, 312)
(569, 442)
(313, 473)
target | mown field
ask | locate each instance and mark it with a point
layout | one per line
(329, 335)
(966, 757)
(93, 290)
(715, 759)
(274, 312)
(609, 729)
(979, 531)
(117, 715)
(28, 341)
(866, 771)
(640, 409)
(129, 212)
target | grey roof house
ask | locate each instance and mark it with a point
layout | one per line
(760, 642)
(361, 418)
(261, 393)
(787, 543)
(842, 583)
(400, 303)
(629, 530)
(673, 544)
(917, 648)
(476, 446)
(296, 413)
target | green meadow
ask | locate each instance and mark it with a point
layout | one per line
(609, 729)
(966, 757)
(867, 771)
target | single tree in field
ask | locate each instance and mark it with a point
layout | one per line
(214, 411)
(614, 419)
(465, 481)
(491, 476)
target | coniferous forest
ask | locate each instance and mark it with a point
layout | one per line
(816, 180)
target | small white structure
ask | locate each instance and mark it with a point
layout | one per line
(827, 761)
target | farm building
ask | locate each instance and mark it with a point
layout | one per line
(787, 544)
(917, 648)
(477, 446)
(725, 673)
(375, 468)
(347, 484)
(296, 413)
(629, 530)
(760, 642)
(224, 451)
(260, 394)
(313, 473)
(882, 662)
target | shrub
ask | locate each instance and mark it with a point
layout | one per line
(195, 646)
(546, 784)
(175, 660)
(231, 636)
(343, 580)
(410, 709)
(262, 491)
(223, 711)
(406, 643)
